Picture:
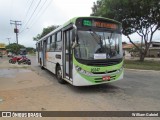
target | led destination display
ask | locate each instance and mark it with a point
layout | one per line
(101, 24)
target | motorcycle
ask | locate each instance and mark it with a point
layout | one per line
(13, 60)
(24, 60)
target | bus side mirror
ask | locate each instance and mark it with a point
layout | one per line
(74, 44)
(74, 38)
(73, 34)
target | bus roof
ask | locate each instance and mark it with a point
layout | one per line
(72, 21)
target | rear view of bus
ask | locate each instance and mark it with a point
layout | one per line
(98, 56)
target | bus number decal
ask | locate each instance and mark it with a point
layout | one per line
(95, 69)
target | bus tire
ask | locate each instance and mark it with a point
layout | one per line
(59, 75)
(10, 61)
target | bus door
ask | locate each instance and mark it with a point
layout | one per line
(67, 54)
(44, 52)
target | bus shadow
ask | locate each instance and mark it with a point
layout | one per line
(103, 88)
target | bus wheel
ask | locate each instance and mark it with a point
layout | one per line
(59, 75)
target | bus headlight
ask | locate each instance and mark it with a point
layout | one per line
(120, 70)
(80, 70)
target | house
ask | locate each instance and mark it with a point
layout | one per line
(129, 49)
(154, 50)
(3, 48)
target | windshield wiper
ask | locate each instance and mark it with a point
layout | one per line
(97, 38)
(107, 50)
(109, 39)
(105, 46)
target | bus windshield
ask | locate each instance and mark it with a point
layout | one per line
(93, 45)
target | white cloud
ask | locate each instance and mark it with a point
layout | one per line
(72, 8)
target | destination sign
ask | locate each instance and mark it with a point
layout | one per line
(101, 24)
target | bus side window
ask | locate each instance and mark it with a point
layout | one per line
(49, 41)
(52, 48)
(59, 41)
(41, 46)
(38, 47)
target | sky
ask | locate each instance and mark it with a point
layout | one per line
(37, 14)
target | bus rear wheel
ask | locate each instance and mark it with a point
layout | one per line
(59, 75)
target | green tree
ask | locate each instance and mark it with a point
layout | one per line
(14, 47)
(30, 49)
(45, 32)
(137, 16)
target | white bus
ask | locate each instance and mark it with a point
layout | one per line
(84, 51)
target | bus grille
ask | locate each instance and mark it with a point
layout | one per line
(104, 72)
(103, 63)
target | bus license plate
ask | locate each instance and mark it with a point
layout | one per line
(106, 78)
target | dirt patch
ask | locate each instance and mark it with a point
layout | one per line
(12, 79)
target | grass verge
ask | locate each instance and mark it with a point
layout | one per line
(146, 65)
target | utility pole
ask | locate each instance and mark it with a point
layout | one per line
(8, 40)
(16, 23)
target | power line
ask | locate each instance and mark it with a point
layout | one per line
(41, 13)
(41, 10)
(29, 8)
(32, 13)
(27, 3)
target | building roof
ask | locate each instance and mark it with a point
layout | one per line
(155, 43)
(128, 46)
(2, 45)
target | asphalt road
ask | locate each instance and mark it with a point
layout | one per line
(139, 90)
(38, 90)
